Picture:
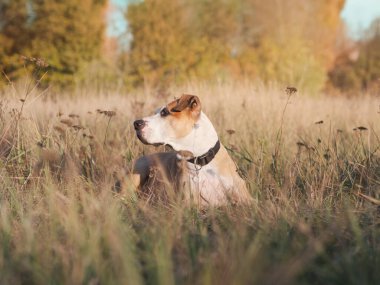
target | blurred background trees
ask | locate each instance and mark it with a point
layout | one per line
(67, 34)
(358, 67)
(13, 36)
(289, 42)
(176, 39)
(293, 42)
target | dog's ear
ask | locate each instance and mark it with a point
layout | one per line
(188, 101)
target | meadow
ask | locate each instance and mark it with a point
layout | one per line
(312, 165)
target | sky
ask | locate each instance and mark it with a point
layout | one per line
(358, 15)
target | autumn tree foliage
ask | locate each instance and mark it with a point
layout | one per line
(13, 35)
(358, 69)
(67, 34)
(167, 45)
(291, 42)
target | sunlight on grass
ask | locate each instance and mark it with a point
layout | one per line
(315, 188)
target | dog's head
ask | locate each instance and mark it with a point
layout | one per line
(171, 122)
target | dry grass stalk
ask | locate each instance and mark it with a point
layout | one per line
(308, 222)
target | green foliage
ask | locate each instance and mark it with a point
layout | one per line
(66, 34)
(174, 40)
(14, 34)
(73, 40)
(165, 46)
(272, 41)
(292, 64)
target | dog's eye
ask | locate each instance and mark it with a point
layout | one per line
(164, 112)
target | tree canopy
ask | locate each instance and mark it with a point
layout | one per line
(293, 42)
(67, 34)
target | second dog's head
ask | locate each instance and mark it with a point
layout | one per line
(171, 122)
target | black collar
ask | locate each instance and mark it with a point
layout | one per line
(206, 158)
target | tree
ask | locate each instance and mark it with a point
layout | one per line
(360, 72)
(14, 36)
(158, 30)
(68, 35)
(291, 42)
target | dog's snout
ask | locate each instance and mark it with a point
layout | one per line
(139, 124)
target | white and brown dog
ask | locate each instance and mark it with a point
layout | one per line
(199, 167)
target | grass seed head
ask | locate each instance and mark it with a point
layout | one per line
(59, 129)
(109, 113)
(67, 122)
(291, 90)
(77, 127)
(360, 128)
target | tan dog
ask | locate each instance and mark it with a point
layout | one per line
(199, 167)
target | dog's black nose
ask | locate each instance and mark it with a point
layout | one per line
(139, 124)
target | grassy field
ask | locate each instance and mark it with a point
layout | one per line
(312, 165)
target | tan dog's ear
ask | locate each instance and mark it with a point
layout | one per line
(188, 101)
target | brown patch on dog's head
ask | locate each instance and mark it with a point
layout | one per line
(186, 103)
(184, 113)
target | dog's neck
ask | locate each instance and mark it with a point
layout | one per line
(201, 138)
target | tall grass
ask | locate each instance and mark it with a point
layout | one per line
(314, 220)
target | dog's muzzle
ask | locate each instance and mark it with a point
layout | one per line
(139, 125)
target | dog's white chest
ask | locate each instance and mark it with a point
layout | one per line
(207, 186)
